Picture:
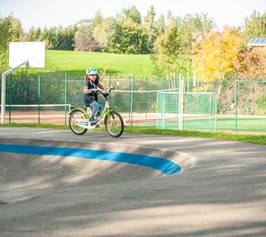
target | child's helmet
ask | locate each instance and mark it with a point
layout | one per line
(92, 71)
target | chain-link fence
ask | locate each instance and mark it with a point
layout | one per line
(189, 110)
(250, 106)
(47, 97)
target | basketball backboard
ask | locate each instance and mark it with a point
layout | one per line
(33, 52)
(30, 54)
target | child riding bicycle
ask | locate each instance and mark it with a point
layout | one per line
(81, 120)
(90, 93)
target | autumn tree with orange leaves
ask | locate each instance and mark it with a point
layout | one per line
(215, 55)
(251, 64)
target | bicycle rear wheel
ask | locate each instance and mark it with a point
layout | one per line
(77, 119)
(114, 124)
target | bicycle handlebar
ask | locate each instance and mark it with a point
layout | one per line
(108, 91)
(101, 91)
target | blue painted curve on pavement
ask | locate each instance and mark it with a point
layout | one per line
(165, 166)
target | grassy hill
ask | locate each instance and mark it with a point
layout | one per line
(57, 60)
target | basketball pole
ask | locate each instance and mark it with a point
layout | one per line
(3, 93)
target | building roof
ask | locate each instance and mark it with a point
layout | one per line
(257, 42)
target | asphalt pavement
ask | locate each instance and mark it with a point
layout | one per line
(221, 190)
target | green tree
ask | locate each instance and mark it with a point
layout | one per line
(149, 18)
(66, 38)
(103, 32)
(34, 34)
(55, 38)
(193, 28)
(131, 13)
(100, 31)
(169, 17)
(11, 30)
(168, 50)
(160, 24)
(255, 26)
(16, 30)
(85, 41)
(149, 25)
(129, 37)
(98, 19)
(173, 48)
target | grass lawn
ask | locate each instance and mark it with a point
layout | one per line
(255, 139)
(59, 60)
(248, 124)
(245, 125)
(225, 124)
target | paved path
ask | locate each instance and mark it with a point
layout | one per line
(223, 194)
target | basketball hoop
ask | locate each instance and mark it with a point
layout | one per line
(22, 54)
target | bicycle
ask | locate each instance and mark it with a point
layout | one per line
(79, 121)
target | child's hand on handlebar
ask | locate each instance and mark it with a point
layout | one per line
(88, 91)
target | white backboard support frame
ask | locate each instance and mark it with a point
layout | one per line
(22, 54)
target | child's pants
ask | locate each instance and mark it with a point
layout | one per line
(95, 106)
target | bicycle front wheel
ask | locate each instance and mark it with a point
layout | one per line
(77, 121)
(114, 124)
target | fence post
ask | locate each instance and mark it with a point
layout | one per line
(188, 76)
(147, 97)
(9, 91)
(210, 111)
(131, 100)
(236, 104)
(163, 109)
(157, 109)
(181, 102)
(129, 95)
(65, 96)
(39, 98)
(215, 111)
(110, 80)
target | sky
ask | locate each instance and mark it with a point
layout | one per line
(48, 13)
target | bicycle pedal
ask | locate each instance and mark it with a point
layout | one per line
(94, 122)
(91, 126)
